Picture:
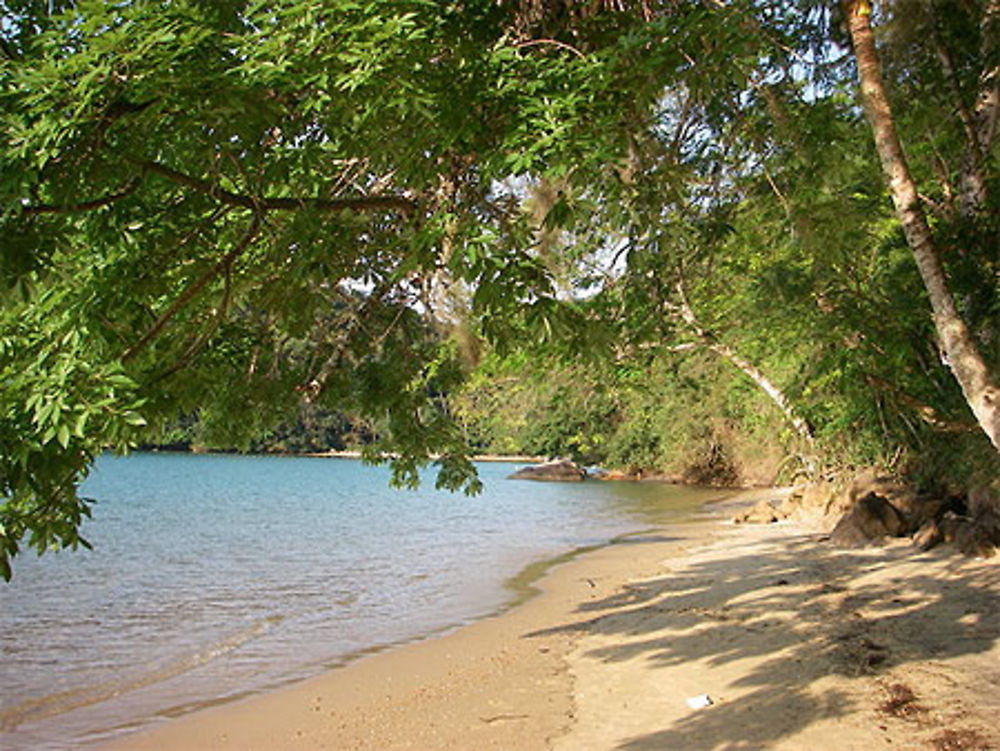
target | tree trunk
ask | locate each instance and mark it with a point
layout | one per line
(748, 369)
(980, 121)
(984, 112)
(966, 362)
(972, 174)
(767, 386)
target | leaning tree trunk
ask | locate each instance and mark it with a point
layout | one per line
(963, 356)
(765, 384)
(774, 393)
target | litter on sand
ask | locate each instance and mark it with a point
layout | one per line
(699, 702)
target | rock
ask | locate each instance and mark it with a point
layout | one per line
(616, 475)
(923, 510)
(764, 512)
(974, 540)
(989, 523)
(973, 537)
(871, 519)
(983, 502)
(978, 534)
(929, 535)
(914, 508)
(557, 470)
(822, 505)
(822, 498)
(949, 524)
(805, 505)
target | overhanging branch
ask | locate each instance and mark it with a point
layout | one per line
(193, 289)
(685, 312)
(926, 412)
(91, 205)
(362, 203)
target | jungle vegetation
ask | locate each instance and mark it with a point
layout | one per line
(730, 240)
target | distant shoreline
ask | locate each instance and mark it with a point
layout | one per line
(334, 454)
(604, 475)
(349, 454)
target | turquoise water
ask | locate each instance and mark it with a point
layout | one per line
(217, 576)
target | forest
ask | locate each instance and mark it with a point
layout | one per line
(736, 242)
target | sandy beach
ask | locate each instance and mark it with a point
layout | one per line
(705, 635)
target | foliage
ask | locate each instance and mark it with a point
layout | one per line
(61, 404)
(251, 211)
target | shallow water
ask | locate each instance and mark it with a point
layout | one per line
(217, 576)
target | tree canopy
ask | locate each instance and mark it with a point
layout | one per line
(230, 208)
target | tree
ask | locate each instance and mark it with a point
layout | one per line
(232, 206)
(970, 369)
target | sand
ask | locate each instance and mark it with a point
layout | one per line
(796, 645)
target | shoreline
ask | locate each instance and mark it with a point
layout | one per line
(491, 671)
(794, 643)
(525, 586)
(355, 454)
(167, 675)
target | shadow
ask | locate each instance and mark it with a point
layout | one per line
(642, 538)
(796, 613)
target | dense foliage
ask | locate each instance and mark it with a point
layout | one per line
(653, 233)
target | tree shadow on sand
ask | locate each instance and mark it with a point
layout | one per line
(796, 615)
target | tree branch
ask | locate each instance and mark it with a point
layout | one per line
(926, 412)
(554, 43)
(777, 192)
(317, 384)
(972, 175)
(363, 203)
(686, 313)
(193, 289)
(964, 114)
(195, 348)
(96, 203)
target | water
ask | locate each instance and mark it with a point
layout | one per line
(217, 576)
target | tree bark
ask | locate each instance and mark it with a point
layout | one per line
(767, 386)
(967, 364)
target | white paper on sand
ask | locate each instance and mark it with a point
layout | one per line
(699, 702)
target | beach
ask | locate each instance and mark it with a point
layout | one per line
(702, 635)
(213, 578)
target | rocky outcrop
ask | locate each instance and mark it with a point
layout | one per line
(978, 534)
(929, 535)
(815, 506)
(871, 508)
(870, 520)
(557, 470)
(971, 523)
(912, 508)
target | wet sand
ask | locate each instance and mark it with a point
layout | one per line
(785, 642)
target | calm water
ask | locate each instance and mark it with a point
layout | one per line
(217, 576)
